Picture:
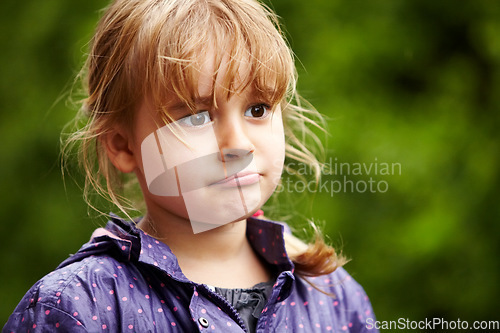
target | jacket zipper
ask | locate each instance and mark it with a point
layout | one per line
(232, 311)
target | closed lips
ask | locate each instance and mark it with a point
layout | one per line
(243, 178)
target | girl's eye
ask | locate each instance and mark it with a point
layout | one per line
(194, 120)
(257, 111)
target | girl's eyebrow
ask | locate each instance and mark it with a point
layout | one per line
(203, 100)
(265, 92)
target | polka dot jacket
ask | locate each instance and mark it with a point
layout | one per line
(124, 280)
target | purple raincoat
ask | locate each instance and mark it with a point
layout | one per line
(124, 280)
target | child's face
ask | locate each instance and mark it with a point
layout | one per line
(215, 167)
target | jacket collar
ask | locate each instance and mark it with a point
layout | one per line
(124, 241)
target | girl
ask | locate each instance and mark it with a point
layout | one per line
(194, 99)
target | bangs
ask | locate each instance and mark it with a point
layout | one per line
(240, 39)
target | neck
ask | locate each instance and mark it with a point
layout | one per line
(220, 257)
(221, 243)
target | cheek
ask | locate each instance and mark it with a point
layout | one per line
(272, 148)
(277, 138)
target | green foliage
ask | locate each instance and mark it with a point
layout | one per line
(410, 82)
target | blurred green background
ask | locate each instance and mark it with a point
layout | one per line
(413, 82)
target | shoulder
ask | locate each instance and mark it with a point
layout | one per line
(345, 290)
(340, 295)
(71, 295)
(89, 276)
(345, 286)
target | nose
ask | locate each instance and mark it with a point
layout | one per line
(234, 141)
(227, 155)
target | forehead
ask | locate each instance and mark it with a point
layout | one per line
(217, 74)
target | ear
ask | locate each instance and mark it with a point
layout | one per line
(119, 151)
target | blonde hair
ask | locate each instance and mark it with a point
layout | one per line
(151, 49)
